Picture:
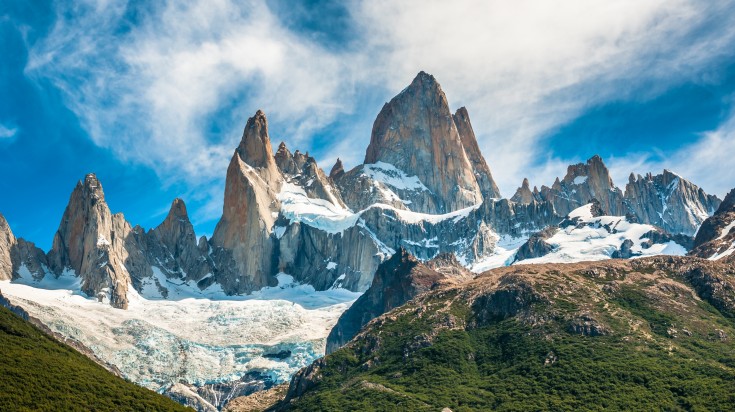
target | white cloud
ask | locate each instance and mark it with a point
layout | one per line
(7, 131)
(525, 67)
(150, 92)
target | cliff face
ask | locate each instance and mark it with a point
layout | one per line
(416, 133)
(92, 242)
(7, 243)
(243, 235)
(716, 237)
(669, 201)
(397, 280)
(480, 168)
(582, 183)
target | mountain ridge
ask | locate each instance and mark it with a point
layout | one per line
(283, 213)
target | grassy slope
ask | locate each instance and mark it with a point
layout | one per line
(662, 351)
(37, 373)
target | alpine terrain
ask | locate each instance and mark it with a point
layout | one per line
(426, 287)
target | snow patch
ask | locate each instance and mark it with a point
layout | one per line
(156, 343)
(726, 230)
(101, 241)
(319, 213)
(390, 175)
(599, 237)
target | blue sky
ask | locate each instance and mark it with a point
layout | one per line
(152, 96)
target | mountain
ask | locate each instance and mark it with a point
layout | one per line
(397, 280)
(40, 373)
(242, 237)
(19, 257)
(582, 183)
(643, 334)
(587, 234)
(424, 187)
(295, 246)
(715, 239)
(669, 201)
(416, 133)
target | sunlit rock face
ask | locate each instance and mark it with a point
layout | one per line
(416, 133)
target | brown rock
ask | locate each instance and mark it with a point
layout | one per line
(92, 242)
(481, 170)
(7, 244)
(250, 208)
(416, 133)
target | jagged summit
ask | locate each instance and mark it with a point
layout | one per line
(524, 195)
(480, 167)
(338, 170)
(582, 183)
(255, 146)
(669, 201)
(415, 132)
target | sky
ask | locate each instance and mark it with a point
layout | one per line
(153, 96)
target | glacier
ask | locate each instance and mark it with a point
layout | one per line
(195, 340)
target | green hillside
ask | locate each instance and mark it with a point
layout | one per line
(37, 373)
(650, 334)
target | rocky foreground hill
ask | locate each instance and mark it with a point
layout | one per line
(646, 334)
(424, 186)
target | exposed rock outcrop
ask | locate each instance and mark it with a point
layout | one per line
(416, 133)
(669, 202)
(485, 180)
(582, 183)
(7, 244)
(536, 246)
(172, 246)
(524, 195)
(716, 237)
(397, 280)
(242, 238)
(91, 241)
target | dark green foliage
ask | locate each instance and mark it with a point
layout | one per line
(511, 366)
(38, 373)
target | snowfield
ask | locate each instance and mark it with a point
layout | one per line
(156, 343)
(597, 238)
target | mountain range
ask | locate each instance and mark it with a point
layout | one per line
(424, 186)
(409, 229)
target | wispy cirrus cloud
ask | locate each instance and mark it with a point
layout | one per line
(525, 68)
(170, 86)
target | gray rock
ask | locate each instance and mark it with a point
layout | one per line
(669, 202)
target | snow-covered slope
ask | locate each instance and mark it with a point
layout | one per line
(199, 341)
(586, 237)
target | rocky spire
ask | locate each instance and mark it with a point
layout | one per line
(482, 171)
(91, 242)
(670, 202)
(176, 232)
(582, 183)
(416, 133)
(7, 244)
(337, 170)
(243, 234)
(255, 148)
(524, 195)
